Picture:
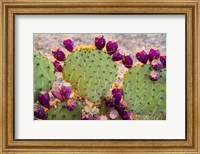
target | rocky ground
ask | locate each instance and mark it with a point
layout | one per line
(127, 42)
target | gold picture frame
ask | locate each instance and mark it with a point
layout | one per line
(9, 8)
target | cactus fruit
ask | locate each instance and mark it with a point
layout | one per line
(113, 114)
(59, 54)
(44, 75)
(100, 42)
(44, 99)
(163, 60)
(68, 44)
(111, 47)
(142, 95)
(90, 73)
(62, 92)
(127, 61)
(127, 115)
(66, 90)
(156, 64)
(154, 75)
(60, 112)
(142, 56)
(56, 92)
(117, 56)
(109, 100)
(71, 104)
(40, 113)
(117, 94)
(57, 66)
(121, 106)
(153, 54)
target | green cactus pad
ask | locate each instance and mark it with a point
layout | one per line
(145, 97)
(38, 54)
(104, 109)
(43, 74)
(62, 113)
(91, 73)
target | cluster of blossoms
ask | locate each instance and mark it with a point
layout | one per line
(156, 60)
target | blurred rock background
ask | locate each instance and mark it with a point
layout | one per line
(127, 42)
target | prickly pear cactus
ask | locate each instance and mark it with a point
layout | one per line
(43, 74)
(91, 73)
(62, 113)
(145, 97)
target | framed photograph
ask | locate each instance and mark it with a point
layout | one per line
(99, 76)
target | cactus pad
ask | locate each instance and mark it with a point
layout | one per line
(104, 109)
(91, 73)
(43, 74)
(145, 97)
(62, 113)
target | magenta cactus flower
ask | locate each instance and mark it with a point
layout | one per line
(68, 44)
(163, 60)
(154, 75)
(127, 61)
(40, 114)
(59, 54)
(111, 47)
(142, 56)
(117, 94)
(66, 90)
(153, 54)
(71, 104)
(127, 115)
(113, 114)
(57, 66)
(156, 64)
(117, 56)
(100, 42)
(44, 99)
